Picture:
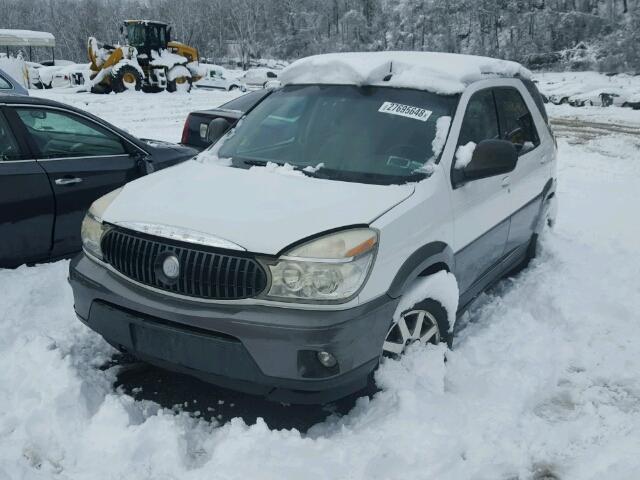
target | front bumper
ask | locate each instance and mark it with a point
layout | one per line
(263, 350)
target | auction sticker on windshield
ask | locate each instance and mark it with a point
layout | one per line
(405, 111)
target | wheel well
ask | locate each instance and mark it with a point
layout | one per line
(426, 260)
(435, 268)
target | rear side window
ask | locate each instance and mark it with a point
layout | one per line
(480, 120)
(246, 102)
(535, 94)
(516, 122)
(62, 135)
(9, 149)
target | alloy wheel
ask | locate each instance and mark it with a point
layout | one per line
(413, 326)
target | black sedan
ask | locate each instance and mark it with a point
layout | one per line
(204, 127)
(55, 160)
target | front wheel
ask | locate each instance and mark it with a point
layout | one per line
(125, 78)
(424, 323)
(179, 79)
(180, 84)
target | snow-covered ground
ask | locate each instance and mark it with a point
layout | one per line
(586, 87)
(543, 382)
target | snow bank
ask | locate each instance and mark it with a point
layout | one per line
(444, 73)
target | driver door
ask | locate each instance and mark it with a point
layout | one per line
(83, 161)
(481, 207)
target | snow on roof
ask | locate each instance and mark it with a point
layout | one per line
(444, 73)
(26, 38)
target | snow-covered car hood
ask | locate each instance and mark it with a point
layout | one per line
(262, 210)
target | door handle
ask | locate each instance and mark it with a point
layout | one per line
(506, 181)
(68, 180)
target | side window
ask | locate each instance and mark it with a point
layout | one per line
(60, 135)
(4, 84)
(9, 149)
(535, 94)
(516, 122)
(480, 120)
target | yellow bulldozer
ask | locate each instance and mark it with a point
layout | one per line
(148, 60)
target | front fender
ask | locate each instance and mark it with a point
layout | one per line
(430, 256)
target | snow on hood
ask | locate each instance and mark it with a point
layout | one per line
(444, 73)
(257, 209)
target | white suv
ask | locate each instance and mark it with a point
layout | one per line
(357, 209)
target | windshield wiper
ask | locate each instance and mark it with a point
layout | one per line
(263, 163)
(256, 163)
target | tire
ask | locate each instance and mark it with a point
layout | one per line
(126, 78)
(100, 89)
(425, 322)
(233, 88)
(182, 80)
(151, 89)
(179, 85)
(532, 251)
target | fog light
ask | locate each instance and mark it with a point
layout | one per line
(326, 359)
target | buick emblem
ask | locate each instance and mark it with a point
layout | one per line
(171, 267)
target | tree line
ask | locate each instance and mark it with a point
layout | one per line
(602, 34)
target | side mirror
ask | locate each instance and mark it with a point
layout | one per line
(144, 164)
(217, 128)
(273, 84)
(38, 114)
(168, 34)
(491, 157)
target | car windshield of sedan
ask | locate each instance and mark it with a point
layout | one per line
(376, 135)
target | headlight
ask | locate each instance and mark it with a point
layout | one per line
(332, 268)
(92, 227)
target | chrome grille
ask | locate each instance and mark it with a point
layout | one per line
(204, 272)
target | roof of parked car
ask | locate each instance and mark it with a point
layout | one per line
(8, 98)
(445, 73)
(16, 88)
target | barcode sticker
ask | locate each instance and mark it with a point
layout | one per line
(408, 111)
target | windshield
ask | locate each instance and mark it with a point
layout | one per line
(140, 35)
(361, 134)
